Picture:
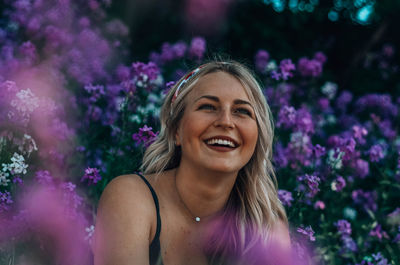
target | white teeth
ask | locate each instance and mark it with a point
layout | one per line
(221, 142)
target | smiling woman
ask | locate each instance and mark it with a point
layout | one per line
(208, 178)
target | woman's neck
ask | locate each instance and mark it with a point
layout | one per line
(204, 193)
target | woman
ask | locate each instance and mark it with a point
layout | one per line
(209, 193)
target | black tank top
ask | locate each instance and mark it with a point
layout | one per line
(155, 257)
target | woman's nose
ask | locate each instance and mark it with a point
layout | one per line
(224, 119)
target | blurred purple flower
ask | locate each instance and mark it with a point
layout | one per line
(338, 184)
(361, 168)
(381, 103)
(197, 48)
(286, 67)
(358, 133)
(304, 122)
(319, 205)
(320, 57)
(343, 100)
(145, 72)
(397, 238)
(343, 227)
(365, 198)
(378, 232)
(44, 177)
(91, 176)
(286, 117)
(95, 92)
(312, 182)
(179, 49)
(275, 75)
(145, 136)
(5, 201)
(308, 231)
(261, 60)
(376, 153)
(319, 150)
(308, 67)
(285, 197)
(167, 53)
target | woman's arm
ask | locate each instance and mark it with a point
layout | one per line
(125, 223)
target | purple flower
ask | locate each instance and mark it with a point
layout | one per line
(18, 180)
(145, 136)
(179, 49)
(361, 168)
(358, 133)
(168, 87)
(5, 201)
(44, 177)
(197, 48)
(285, 197)
(397, 238)
(381, 103)
(71, 199)
(378, 232)
(91, 175)
(320, 57)
(261, 60)
(307, 232)
(145, 72)
(319, 205)
(366, 199)
(304, 122)
(387, 130)
(343, 227)
(312, 182)
(308, 67)
(287, 67)
(167, 53)
(319, 150)
(338, 184)
(286, 117)
(275, 75)
(343, 100)
(376, 153)
(95, 92)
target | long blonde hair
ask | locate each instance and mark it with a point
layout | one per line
(253, 208)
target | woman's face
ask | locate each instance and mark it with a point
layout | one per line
(218, 130)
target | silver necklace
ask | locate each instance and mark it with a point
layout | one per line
(196, 218)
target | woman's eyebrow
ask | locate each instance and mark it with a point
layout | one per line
(216, 99)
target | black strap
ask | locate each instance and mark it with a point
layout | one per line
(153, 193)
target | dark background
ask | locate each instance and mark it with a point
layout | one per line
(289, 33)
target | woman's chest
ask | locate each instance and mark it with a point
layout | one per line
(181, 241)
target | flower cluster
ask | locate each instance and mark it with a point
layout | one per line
(91, 176)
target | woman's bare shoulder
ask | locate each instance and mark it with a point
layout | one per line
(125, 221)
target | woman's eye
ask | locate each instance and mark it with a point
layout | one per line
(244, 111)
(207, 107)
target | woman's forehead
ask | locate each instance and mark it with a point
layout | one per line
(220, 84)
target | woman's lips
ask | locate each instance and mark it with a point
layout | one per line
(220, 148)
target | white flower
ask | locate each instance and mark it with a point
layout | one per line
(335, 161)
(89, 233)
(28, 145)
(271, 66)
(26, 101)
(329, 89)
(18, 165)
(4, 178)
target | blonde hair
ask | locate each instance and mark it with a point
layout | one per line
(253, 208)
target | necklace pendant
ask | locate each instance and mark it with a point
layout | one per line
(197, 219)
